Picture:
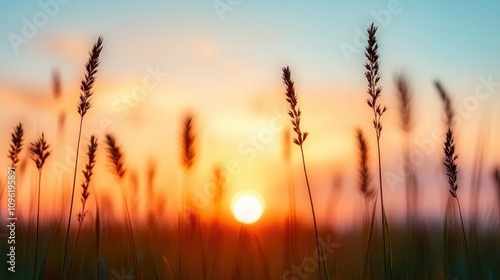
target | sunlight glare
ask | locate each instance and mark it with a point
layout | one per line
(247, 208)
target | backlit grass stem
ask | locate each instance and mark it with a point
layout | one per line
(372, 76)
(39, 152)
(295, 115)
(84, 105)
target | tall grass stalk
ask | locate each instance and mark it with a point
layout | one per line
(188, 155)
(449, 120)
(366, 191)
(372, 75)
(87, 175)
(15, 148)
(405, 101)
(405, 98)
(39, 152)
(452, 172)
(190, 227)
(84, 105)
(295, 115)
(116, 158)
(364, 173)
(16, 145)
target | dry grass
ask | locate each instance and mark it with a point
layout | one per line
(451, 172)
(405, 98)
(188, 156)
(87, 83)
(372, 76)
(187, 217)
(116, 158)
(407, 122)
(295, 115)
(39, 152)
(16, 144)
(449, 222)
(191, 247)
(84, 104)
(188, 142)
(87, 176)
(367, 192)
(450, 162)
(364, 174)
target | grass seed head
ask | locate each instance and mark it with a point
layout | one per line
(16, 144)
(39, 151)
(87, 82)
(294, 112)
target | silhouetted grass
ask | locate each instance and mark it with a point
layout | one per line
(295, 115)
(372, 75)
(87, 175)
(116, 158)
(39, 152)
(85, 103)
(16, 144)
(452, 171)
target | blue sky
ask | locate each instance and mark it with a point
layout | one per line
(458, 39)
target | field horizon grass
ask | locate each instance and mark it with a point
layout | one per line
(344, 252)
(86, 238)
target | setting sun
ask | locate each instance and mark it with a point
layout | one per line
(247, 208)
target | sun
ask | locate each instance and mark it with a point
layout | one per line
(247, 208)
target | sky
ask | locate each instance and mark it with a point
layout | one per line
(222, 61)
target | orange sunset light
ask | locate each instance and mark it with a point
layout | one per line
(247, 208)
(249, 140)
